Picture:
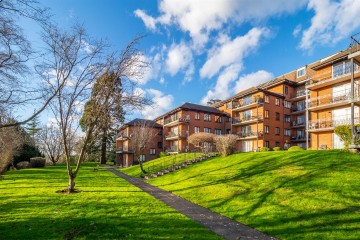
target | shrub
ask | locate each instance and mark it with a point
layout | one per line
(264, 149)
(162, 154)
(276, 149)
(22, 165)
(225, 144)
(37, 162)
(295, 148)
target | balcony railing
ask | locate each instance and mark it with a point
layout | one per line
(121, 135)
(124, 150)
(259, 100)
(172, 149)
(244, 119)
(298, 138)
(178, 134)
(297, 123)
(250, 134)
(300, 93)
(330, 75)
(330, 123)
(182, 118)
(298, 108)
(329, 99)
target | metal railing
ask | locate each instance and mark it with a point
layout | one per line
(300, 93)
(330, 123)
(174, 134)
(124, 149)
(244, 119)
(298, 138)
(258, 100)
(330, 75)
(181, 118)
(250, 134)
(329, 99)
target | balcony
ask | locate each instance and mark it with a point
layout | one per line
(327, 124)
(249, 135)
(328, 78)
(237, 121)
(176, 120)
(298, 109)
(174, 136)
(299, 124)
(124, 150)
(299, 95)
(172, 149)
(298, 138)
(121, 136)
(329, 100)
(239, 106)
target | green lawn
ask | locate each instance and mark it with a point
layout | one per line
(160, 163)
(290, 195)
(107, 208)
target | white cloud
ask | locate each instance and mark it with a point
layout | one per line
(221, 89)
(162, 81)
(180, 57)
(162, 103)
(200, 18)
(333, 21)
(252, 80)
(297, 30)
(232, 51)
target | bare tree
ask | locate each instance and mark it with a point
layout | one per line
(201, 140)
(50, 143)
(73, 65)
(15, 51)
(141, 136)
(225, 144)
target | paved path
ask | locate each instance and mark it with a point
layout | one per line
(223, 226)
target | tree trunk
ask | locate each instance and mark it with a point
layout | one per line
(71, 186)
(142, 168)
(103, 148)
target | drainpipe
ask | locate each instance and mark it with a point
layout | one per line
(352, 96)
(307, 117)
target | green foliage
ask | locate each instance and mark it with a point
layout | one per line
(265, 149)
(288, 195)
(295, 148)
(162, 154)
(41, 213)
(344, 133)
(26, 152)
(277, 149)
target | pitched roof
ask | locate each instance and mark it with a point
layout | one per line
(138, 121)
(195, 107)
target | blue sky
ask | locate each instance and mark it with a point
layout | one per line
(211, 49)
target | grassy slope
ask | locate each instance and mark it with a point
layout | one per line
(108, 208)
(160, 163)
(290, 195)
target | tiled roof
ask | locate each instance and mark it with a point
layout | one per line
(138, 121)
(195, 107)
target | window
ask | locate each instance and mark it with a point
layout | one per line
(142, 158)
(219, 119)
(228, 131)
(246, 115)
(266, 113)
(228, 105)
(152, 151)
(277, 131)
(300, 72)
(286, 90)
(218, 131)
(207, 130)
(228, 119)
(287, 104)
(343, 68)
(300, 120)
(277, 116)
(266, 129)
(277, 144)
(246, 100)
(207, 117)
(197, 116)
(267, 99)
(196, 129)
(160, 145)
(277, 101)
(267, 144)
(287, 118)
(287, 132)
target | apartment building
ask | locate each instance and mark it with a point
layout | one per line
(124, 146)
(179, 123)
(333, 98)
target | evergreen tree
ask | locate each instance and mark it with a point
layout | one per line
(32, 128)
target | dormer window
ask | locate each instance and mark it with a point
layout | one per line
(301, 72)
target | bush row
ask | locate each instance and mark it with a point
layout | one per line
(293, 148)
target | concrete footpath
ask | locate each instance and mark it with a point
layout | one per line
(223, 226)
